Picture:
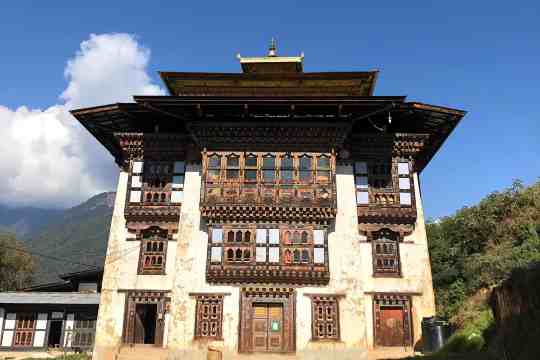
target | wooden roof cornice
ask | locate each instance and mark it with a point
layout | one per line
(271, 84)
(352, 115)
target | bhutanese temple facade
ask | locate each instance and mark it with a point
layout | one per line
(268, 211)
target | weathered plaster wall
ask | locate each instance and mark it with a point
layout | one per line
(350, 269)
(120, 273)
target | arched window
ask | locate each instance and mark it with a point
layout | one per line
(159, 260)
(214, 166)
(230, 236)
(238, 236)
(230, 255)
(155, 197)
(296, 237)
(304, 237)
(287, 169)
(153, 262)
(148, 246)
(154, 246)
(323, 168)
(147, 261)
(161, 246)
(233, 166)
(305, 168)
(247, 255)
(247, 236)
(296, 256)
(269, 168)
(149, 197)
(238, 254)
(305, 256)
(287, 257)
(250, 171)
(163, 197)
(286, 237)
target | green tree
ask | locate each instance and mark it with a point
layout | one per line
(478, 246)
(16, 266)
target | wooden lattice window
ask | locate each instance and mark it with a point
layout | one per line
(214, 167)
(24, 330)
(233, 166)
(323, 168)
(156, 182)
(209, 316)
(153, 251)
(325, 317)
(386, 253)
(83, 332)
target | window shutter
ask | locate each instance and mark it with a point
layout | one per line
(137, 167)
(318, 255)
(405, 199)
(136, 181)
(260, 254)
(217, 235)
(274, 236)
(135, 196)
(403, 168)
(273, 254)
(177, 196)
(261, 236)
(318, 237)
(215, 255)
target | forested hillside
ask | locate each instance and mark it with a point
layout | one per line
(476, 249)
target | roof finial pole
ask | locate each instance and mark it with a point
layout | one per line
(272, 48)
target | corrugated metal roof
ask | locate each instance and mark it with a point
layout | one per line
(69, 298)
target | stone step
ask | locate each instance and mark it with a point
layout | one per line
(141, 352)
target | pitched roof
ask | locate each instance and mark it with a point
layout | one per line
(67, 298)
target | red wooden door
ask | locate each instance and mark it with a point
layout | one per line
(392, 327)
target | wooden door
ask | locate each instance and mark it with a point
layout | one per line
(392, 330)
(268, 327)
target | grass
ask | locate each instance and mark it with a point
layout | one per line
(66, 357)
(468, 343)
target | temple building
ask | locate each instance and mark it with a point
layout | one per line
(268, 211)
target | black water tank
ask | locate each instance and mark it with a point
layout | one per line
(435, 332)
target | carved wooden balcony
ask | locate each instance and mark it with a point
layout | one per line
(385, 207)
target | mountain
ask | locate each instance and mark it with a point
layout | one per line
(71, 238)
(24, 221)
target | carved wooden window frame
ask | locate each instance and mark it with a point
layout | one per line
(154, 243)
(84, 329)
(239, 260)
(325, 317)
(402, 301)
(158, 183)
(385, 253)
(208, 316)
(368, 175)
(25, 327)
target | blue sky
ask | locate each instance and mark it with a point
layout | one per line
(482, 57)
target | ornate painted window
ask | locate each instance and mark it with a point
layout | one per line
(303, 179)
(156, 183)
(385, 245)
(324, 317)
(262, 247)
(209, 316)
(153, 253)
(24, 330)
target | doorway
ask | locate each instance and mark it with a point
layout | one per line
(145, 324)
(55, 334)
(267, 327)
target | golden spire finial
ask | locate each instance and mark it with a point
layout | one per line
(272, 48)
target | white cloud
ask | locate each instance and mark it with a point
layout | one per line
(46, 157)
